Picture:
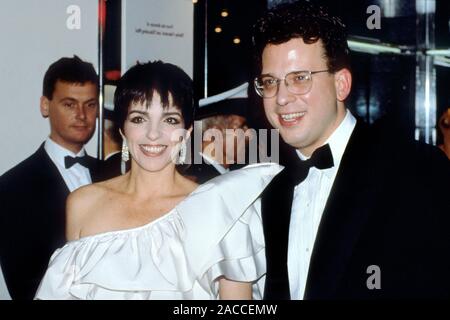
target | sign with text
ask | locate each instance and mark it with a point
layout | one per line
(34, 35)
(158, 30)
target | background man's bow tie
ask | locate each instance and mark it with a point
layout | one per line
(85, 161)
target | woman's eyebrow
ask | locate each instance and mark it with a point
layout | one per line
(139, 112)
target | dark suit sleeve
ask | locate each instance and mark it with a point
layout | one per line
(32, 222)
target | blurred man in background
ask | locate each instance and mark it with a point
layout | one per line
(33, 193)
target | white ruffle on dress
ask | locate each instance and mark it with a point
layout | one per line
(216, 231)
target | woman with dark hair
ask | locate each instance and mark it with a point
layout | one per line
(152, 233)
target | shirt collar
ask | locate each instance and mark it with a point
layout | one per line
(338, 139)
(57, 153)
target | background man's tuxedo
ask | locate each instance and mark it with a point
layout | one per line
(32, 220)
(204, 172)
(111, 166)
(389, 206)
(201, 172)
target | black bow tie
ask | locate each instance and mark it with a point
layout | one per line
(322, 158)
(85, 161)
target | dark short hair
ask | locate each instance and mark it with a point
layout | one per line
(304, 20)
(141, 81)
(72, 70)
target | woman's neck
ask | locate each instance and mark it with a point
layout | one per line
(144, 184)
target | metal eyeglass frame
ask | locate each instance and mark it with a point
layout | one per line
(261, 93)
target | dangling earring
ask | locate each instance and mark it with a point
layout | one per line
(125, 153)
(182, 153)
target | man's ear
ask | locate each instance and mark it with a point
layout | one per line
(343, 83)
(44, 105)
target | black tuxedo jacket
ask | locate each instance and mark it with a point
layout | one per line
(201, 172)
(204, 171)
(32, 220)
(388, 211)
(112, 166)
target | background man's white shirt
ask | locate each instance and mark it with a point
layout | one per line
(310, 197)
(74, 177)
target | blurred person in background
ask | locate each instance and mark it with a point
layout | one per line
(33, 193)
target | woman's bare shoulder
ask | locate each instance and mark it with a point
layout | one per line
(92, 193)
(87, 195)
(85, 203)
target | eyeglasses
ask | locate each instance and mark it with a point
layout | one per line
(297, 82)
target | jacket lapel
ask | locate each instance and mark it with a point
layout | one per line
(276, 203)
(345, 214)
(95, 169)
(54, 191)
(51, 173)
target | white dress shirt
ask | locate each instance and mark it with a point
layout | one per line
(74, 177)
(310, 197)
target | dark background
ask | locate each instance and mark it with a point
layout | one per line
(383, 84)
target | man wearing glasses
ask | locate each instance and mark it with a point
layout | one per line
(358, 212)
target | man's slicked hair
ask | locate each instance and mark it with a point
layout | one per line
(71, 70)
(307, 21)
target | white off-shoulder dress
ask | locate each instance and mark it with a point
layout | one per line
(216, 231)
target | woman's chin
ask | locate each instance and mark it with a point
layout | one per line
(155, 165)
